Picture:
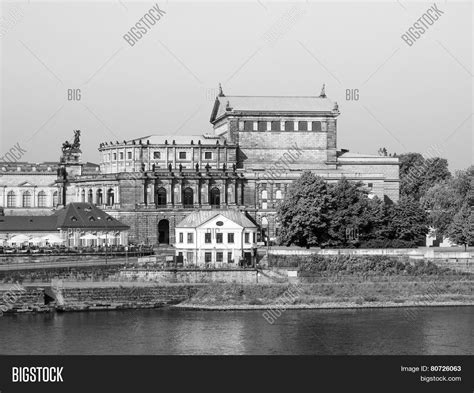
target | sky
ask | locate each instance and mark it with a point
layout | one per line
(414, 98)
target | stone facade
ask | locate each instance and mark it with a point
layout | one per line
(258, 147)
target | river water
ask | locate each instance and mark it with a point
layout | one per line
(429, 331)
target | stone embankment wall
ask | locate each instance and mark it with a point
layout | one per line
(17, 299)
(121, 297)
(85, 273)
(239, 276)
(416, 253)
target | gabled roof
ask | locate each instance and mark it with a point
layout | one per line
(74, 215)
(88, 216)
(271, 104)
(197, 218)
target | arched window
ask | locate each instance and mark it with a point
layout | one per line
(99, 197)
(188, 196)
(55, 198)
(278, 194)
(11, 199)
(264, 194)
(41, 199)
(90, 196)
(161, 196)
(110, 197)
(215, 197)
(26, 199)
(83, 195)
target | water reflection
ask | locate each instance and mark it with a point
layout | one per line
(446, 330)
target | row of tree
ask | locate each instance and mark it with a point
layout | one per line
(317, 213)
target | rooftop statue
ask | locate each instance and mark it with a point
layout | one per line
(75, 145)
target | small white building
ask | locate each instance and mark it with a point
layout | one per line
(216, 237)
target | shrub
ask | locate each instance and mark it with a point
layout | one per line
(362, 265)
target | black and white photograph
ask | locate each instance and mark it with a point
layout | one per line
(217, 180)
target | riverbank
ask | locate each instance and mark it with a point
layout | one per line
(342, 294)
(334, 292)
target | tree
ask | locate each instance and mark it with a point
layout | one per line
(406, 220)
(351, 210)
(461, 230)
(418, 174)
(441, 201)
(304, 214)
(445, 199)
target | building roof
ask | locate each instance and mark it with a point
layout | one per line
(87, 216)
(155, 139)
(75, 216)
(28, 223)
(349, 156)
(271, 104)
(200, 217)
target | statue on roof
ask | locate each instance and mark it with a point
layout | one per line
(75, 145)
(323, 91)
(77, 139)
(221, 93)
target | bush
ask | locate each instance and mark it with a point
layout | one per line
(363, 265)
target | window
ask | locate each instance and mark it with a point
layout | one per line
(248, 125)
(41, 199)
(215, 196)
(83, 195)
(98, 196)
(219, 256)
(181, 237)
(89, 197)
(230, 238)
(161, 196)
(207, 238)
(157, 155)
(110, 197)
(26, 199)
(303, 126)
(218, 237)
(190, 238)
(207, 155)
(264, 205)
(276, 126)
(370, 185)
(11, 199)
(247, 237)
(129, 155)
(264, 194)
(207, 257)
(115, 156)
(262, 125)
(188, 196)
(316, 125)
(289, 126)
(182, 155)
(121, 155)
(229, 257)
(253, 237)
(278, 194)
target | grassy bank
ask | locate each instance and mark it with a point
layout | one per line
(334, 294)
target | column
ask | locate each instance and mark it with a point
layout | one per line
(205, 192)
(169, 193)
(233, 193)
(223, 193)
(177, 193)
